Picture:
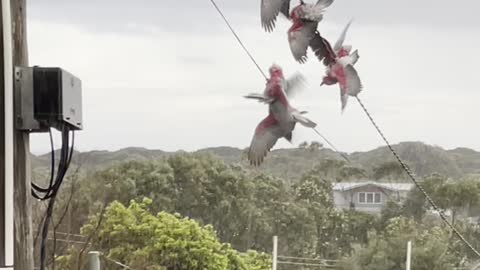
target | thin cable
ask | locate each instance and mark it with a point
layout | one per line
(308, 264)
(52, 172)
(304, 258)
(65, 159)
(415, 181)
(238, 39)
(331, 145)
(117, 263)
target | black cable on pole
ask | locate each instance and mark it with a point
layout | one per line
(415, 181)
(65, 159)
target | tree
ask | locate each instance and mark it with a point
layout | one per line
(303, 145)
(142, 240)
(386, 250)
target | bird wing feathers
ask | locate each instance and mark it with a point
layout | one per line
(353, 82)
(314, 12)
(338, 45)
(300, 40)
(303, 120)
(262, 142)
(322, 49)
(269, 11)
(295, 84)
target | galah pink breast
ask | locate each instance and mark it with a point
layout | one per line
(342, 70)
(277, 82)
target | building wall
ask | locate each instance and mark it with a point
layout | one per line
(348, 198)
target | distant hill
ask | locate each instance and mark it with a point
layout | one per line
(289, 164)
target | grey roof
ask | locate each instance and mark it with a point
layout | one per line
(391, 186)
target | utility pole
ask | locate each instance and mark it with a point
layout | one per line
(274, 252)
(6, 146)
(15, 214)
(409, 255)
(23, 204)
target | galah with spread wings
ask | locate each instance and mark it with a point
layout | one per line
(341, 69)
(281, 119)
(277, 82)
(305, 18)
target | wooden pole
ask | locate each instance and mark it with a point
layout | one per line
(22, 176)
(6, 155)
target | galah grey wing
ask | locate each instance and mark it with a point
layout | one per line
(266, 135)
(322, 49)
(260, 97)
(299, 41)
(295, 84)
(269, 11)
(314, 12)
(298, 117)
(354, 57)
(338, 45)
(352, 81)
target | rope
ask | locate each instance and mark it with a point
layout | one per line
(261, 71)
(238, 39)
(415, 181)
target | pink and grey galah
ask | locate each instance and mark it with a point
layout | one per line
(305, 18)
(340, 69)
(281, 119)
(277, 82)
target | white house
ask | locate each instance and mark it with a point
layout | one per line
(370, 197)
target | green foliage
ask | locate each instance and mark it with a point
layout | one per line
(431, 249)
(142, 240)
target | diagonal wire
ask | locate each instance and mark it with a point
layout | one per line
(238, 38)
(117, 263)
(415, 181)
(261, 71)
(331, 145)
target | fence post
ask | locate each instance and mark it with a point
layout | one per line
(93, 260)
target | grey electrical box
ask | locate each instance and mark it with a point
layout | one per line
(47, 97)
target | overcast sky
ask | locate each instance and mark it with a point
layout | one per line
(169, 75)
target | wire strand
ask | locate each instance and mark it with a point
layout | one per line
(238, 39)
(415, 181)
(331, 145)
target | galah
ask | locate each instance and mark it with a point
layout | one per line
(277, 82)
(341, 69)
(305, 18)
(279, 123)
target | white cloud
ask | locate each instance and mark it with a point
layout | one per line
(170, 91)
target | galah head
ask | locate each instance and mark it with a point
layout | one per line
(344, 51)
(275, 71)
(328, 80)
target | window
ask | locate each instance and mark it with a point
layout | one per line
(361, 197)
(369, 197)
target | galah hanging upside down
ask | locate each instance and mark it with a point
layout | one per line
(305, 18)
(276, 81)
(341, 69)
(279, 123)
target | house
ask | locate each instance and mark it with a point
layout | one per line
(370, 197)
